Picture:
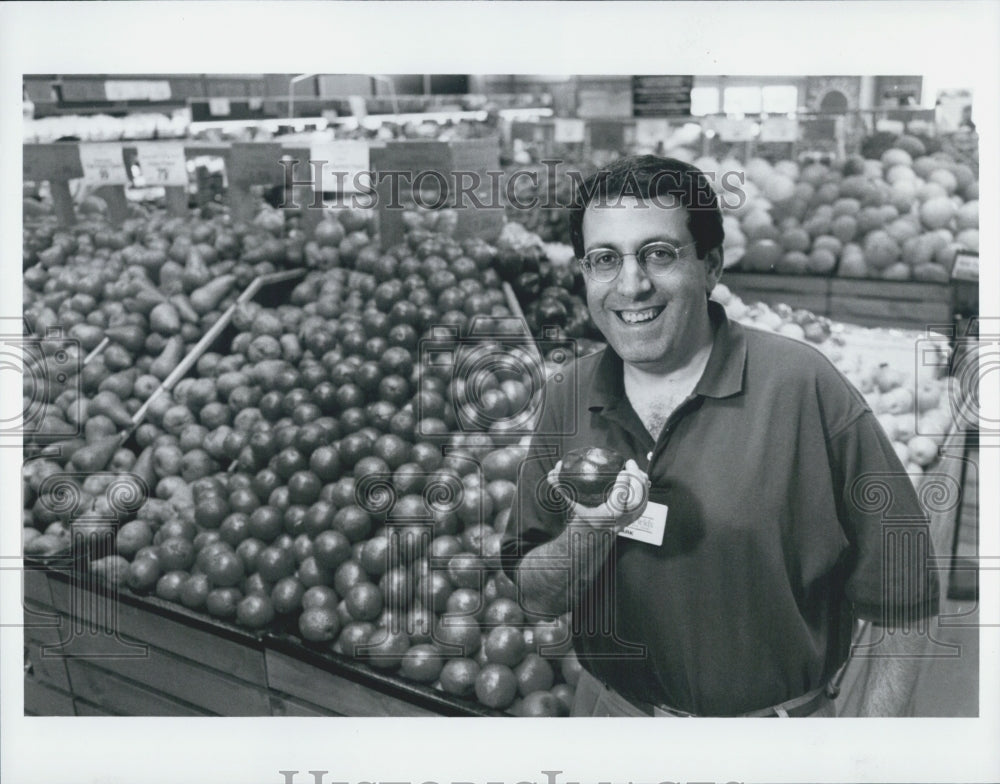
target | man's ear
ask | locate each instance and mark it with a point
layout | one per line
(713, 267)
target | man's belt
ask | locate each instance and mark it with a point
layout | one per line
(805, 705)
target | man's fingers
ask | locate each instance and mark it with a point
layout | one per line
(630, 492)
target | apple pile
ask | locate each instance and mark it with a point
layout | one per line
(901, 217)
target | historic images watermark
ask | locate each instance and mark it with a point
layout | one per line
(554, 186)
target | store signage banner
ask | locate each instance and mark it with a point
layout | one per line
(103, 164)
(162, 163)
(347, 163)
(569, 130)
(779, 129)
(131, 90)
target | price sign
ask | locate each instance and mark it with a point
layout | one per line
(103, 164)
(779, 129)
(569, 130)
(162, 163)
(966, 267)
(650, 131)
(219, 107)
(731, 129)
(346, 164)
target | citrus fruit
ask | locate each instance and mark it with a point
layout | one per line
(421, 663)
(458, 677)
(176, 554)
(534, 674)
(353, 637)
(347, 575)
(542, 704)
(168, 587)
(132, 537)
(503, 612)
(194, 591)
(458, 635)
(143, 575)
(331, 549)
(320, 596)
(287, 594)
(255, 611)
(564, 693)
(364, 601)
(496, 686)
(222, 602)
(319, 624)
(505, 645)
(274, 563)
(386, 648)
(571, 668)
(223, 567)
(589, 474)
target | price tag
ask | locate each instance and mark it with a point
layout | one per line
(346, 167)
(779, 129)
(219, 107)
(569, 130)
(731, 129)
(966, 267)
(162, 163)
(103, 164)
(650, 131)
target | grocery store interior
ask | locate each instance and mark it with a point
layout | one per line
(227, 366)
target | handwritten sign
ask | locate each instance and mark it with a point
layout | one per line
(651, 131)
(346, 164)
(568, 130)
(779, 129)
(162, 163)
(103, 164)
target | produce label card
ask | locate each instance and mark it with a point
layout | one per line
(569, 130)
(256, 163)
(779, 129)
(162, 163)
(347, 164)
(650, 527)
(103, 164)
(650, 131)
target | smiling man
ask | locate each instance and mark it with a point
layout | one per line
(750, 551)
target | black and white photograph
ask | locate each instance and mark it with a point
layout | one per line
(355, 376)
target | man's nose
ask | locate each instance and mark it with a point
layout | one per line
(632, 278)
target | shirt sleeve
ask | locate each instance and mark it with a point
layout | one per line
(891, 579)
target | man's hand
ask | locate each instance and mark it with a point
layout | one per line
(625, 504)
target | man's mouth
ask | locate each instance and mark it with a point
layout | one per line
(638, 316)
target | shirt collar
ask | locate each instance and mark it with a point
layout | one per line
(722, 377)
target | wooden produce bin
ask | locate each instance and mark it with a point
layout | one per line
(867, 303)
(125, 655)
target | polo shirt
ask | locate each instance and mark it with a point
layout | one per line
(789, 515)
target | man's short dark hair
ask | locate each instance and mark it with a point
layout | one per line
(657, 180)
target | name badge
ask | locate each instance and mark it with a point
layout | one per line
(650, 527)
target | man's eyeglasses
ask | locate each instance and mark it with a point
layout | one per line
(655, 258)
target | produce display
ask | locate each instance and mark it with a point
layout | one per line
(340, 467)
(902, 216)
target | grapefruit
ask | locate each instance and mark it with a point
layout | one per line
(937, 213)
